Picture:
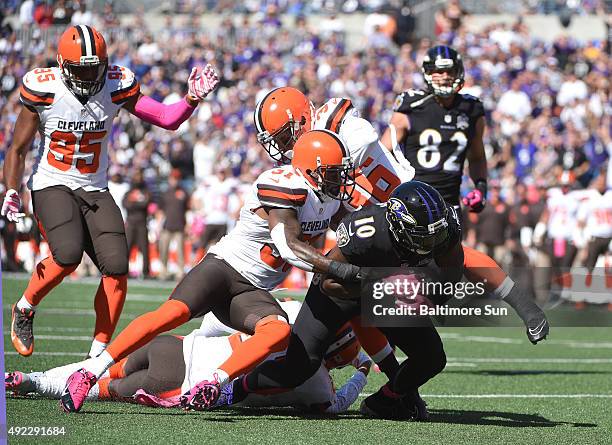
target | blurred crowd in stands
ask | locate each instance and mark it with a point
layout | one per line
(548, 107)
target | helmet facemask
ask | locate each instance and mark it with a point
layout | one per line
(279, 145)
(85, 78)
(335, 181)
(409, 234)
(440, 66)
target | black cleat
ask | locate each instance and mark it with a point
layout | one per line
(537, 329)
(417, 405)
(22, 330)
(383, 406)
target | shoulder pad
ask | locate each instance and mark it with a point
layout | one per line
(281, 187)
(409, 100)
(122, 84)
(331, 114)
(38, 86)
(467, 96)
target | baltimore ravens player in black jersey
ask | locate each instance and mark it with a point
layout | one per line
(437, 130)
(415, 227)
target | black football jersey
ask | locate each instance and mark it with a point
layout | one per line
(365, 240)
(438, 139)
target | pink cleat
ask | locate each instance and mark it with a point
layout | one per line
(76, 390)
(144, 398)
(18, 382)
(202, 396)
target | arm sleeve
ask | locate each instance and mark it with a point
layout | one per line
(169, 117)
(349, 392)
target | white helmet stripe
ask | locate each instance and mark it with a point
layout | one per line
(88, 37)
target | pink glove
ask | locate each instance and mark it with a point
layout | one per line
(11, 206)
(475, 200)
(202, 82)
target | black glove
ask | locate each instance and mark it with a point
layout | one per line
(345, 271)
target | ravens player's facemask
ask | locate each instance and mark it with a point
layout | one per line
(443, 71)
(417, 217)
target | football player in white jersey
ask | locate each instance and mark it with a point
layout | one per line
(172, 365)
(287, 207)
(595, 227)
(559, 223)
(285, 113)
(72, 107)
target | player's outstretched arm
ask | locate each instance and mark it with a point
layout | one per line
(285, 231)
(399, 125)
(170, 117)
(349, 392)
(14, 164)
(477, 160)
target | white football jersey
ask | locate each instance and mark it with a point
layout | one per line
(249, 248)
(74, 136)
(377, 172)
(596, 211)
(563, 212)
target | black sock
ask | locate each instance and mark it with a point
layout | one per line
(389, 365)
(239, 392)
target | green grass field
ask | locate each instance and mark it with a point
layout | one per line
(496, 389)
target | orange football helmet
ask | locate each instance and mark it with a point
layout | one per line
(82, 59)
(322, 159)
(344, 349)
(281, 117)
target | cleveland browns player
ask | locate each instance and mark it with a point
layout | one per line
(288, 207)
(72, 106)
(159, 372)
(436, 130)
(414, 228)
(285, 113)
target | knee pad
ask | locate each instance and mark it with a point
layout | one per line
(68, 254)
(115, 266)
(277, 332)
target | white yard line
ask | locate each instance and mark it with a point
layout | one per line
(506, 340)
(510, 396)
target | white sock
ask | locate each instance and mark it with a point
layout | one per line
(97, 347)
(23, 303)
(222, 376)
(63, 372)
(504, 289)
(99, 364)
(52, 387)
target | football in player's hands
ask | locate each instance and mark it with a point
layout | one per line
(409, 290)
(202, 82)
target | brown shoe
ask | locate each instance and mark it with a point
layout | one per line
(22, 334)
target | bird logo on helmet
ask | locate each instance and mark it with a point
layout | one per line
(320, 157)
(281, 117)
(83, 60)
(417, 216)
(439, 60)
